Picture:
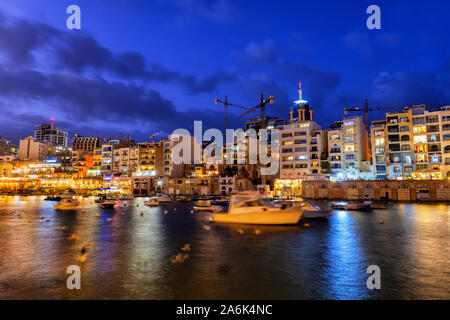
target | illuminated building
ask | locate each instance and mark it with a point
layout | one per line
(418, 140)
(348, 150)
(302, 143)
(150, 156)
(107, 156)
(427, 174)
(96, 168)
(49, 133)
(32, 149)
(287, 187)
(378, 144)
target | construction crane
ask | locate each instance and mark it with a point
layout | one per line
(154, 135)
(261, 106)
(366, 110)
(227, 104)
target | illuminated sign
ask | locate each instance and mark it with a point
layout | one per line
(51, 161)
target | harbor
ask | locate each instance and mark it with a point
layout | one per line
(170, 251)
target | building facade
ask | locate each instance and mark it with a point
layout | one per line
(32, 149)
(49, 133)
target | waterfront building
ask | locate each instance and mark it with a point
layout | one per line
(150, 156)
(32, 149)
(302, 143)
(82, 162)
(378, 145)
(418, 140)
(49, 133)
(126, 160)
(96, 169)
(170, 168)
(85, 143)
(348, 151)
(107, 156)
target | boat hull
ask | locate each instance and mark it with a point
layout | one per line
(269, 217)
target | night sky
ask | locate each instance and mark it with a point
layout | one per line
(138, 67)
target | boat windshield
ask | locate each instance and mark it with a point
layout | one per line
(258, 202)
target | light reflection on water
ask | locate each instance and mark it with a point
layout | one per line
(129, 256)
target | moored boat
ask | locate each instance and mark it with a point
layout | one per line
(152, 203)
(252, 208)
(163, 198)
(67, 205)
(107, 203)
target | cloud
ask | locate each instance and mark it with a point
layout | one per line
(402, 88)
(79, 53)
(259, 52)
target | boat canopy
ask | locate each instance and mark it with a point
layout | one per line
(248, 199)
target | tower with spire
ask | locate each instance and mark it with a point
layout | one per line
(305, 112)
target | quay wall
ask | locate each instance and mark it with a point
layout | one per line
(393, 190)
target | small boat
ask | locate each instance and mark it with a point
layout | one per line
(107, 203)
(252, 208)
(340, 205)
(183, 199)
(163, 198)
(67, 205)
(152, 203)
(202, 203)
(358, 206)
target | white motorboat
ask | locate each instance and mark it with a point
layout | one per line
(152, 203)
(67, 205)
(252, 208)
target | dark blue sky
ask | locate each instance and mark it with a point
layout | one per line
(138, 67)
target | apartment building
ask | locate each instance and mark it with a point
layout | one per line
(302, 143)
(417, 140)
(348, 152)
(378, 144)
(108, 156)
(32, 149)
(126, 160)
(169, 167)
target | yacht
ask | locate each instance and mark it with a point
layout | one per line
(67, 205)
(252, 208)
